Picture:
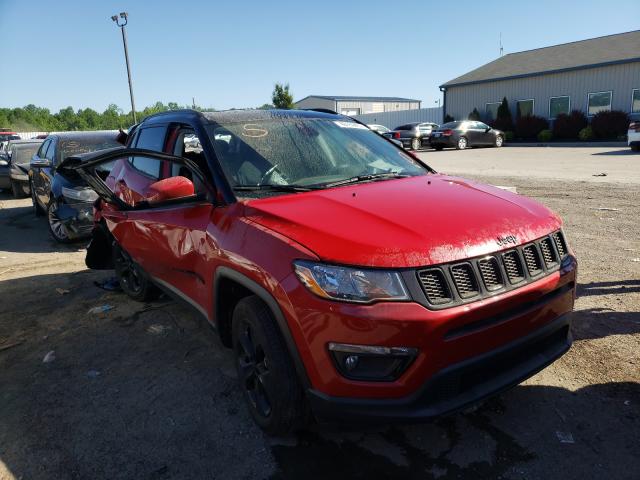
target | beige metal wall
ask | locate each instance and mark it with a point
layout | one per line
(577, 84)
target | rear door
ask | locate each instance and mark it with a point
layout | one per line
(43, 175)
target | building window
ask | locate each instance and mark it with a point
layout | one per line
(524, 108)
(635, 101)
(350, 112)
(491, 110)
(558, 105)
(598, 102)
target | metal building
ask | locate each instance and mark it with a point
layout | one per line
(358, 105)
(590, 75)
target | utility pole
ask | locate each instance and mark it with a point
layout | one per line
(115, 18)
(501, 49)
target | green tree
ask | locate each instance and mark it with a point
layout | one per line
(266, 106)
(474, 115)
(281, 97)
(503, 120)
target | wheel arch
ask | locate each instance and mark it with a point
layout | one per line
(237, 286)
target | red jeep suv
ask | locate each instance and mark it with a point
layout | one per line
(350, 279)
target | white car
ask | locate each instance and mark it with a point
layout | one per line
(634, 136)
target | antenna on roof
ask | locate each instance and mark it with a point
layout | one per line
(501, 49)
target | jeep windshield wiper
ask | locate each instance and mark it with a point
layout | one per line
(273, 188)
(365, 178)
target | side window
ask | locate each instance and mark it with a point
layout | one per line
(51, 151)
(42, 151)
(151, 138)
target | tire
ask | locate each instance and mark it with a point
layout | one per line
(17, 190)
(37, 209)
(438, 148)
(462, 143)
(133, 281)
(416, 144)
(266, 374)
(57, 230)
(499, 141)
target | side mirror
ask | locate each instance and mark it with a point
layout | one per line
(41, 163)
(487, 129)
(169, 189)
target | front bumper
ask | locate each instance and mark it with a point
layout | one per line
(5, 181)
(77, 218)
(460, 385)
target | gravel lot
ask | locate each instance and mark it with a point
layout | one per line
(146, 391)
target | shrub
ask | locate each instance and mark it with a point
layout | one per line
(569, 126)
(530, 126)
(545, 135)
(503, 119)
(586, 134)
(474, 115)
(609, 124)
(448, 118)
(508, 136)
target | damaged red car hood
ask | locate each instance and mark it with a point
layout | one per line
(407, 222)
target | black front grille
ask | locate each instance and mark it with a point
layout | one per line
(435, 286)
(465, 280)
(561, 244)
(532, 259)
(491, 274)
(548, 253)
(513, 266)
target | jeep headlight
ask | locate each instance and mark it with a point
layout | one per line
(361, 285)
(81, 194)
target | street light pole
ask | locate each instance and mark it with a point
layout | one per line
(126, 57)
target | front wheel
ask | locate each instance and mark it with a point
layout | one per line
(56, 227)
(416, 144)
(462, 143)
(132, 279)
(499, 141)
(266, 374)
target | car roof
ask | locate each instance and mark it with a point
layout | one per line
(85, 135)
(231, 116)
(24, 142)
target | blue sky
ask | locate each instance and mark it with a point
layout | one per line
(230, 53)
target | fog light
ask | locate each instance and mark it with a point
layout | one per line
(351, 362)
(371, 362)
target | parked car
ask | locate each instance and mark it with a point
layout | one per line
(464, 134)
(633, 136)
(382, 130)
(62, 195)
(290, 232)
(413, 135)
(5, 136)
(378, 128)
(19, 154)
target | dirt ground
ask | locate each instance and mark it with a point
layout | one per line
(147, 391)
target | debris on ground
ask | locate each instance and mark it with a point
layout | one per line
(110, 284)
(158, 329)
(599, 174)
(10, 345)
(565, 437)
(100, 309)
(508, 189)
(62, 291)
(49, 357)
(608, 209)
(635, 259)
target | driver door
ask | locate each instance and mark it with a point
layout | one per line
(162, 226)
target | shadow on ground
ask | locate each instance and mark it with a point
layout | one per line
(147, 391)
(23, 232)
(619, 152)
